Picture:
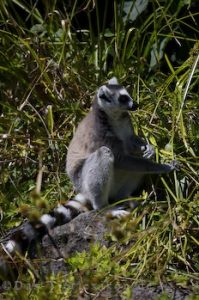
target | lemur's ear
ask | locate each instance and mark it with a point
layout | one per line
(104, 93)
(113, 80)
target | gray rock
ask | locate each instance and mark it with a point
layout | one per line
(156, 292)
(70, 238)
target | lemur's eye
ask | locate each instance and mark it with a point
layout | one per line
(124, 99)
(104, 97)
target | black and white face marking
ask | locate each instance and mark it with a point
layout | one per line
(126, 100)
(114, 98)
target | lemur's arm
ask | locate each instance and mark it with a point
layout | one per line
(140, 165)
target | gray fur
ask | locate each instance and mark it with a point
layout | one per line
(105, 160)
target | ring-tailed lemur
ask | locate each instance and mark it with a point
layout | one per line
(106, 162)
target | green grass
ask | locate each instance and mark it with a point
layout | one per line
(49, 71)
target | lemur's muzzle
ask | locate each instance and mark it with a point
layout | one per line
(133, 107)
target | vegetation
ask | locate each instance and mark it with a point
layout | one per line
(53, 56)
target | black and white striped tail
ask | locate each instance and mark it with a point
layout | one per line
(22, 239)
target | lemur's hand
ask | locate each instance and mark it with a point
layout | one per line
(148, 151)
(175, 165)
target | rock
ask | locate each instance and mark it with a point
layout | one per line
(76, 235)
(155, 292)
(70, 238)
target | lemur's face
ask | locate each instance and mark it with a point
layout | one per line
(114, 97)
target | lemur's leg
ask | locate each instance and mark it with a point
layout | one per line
(97, 180)
(97, 176)
(93, 185)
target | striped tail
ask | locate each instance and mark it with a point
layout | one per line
(24, 238)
